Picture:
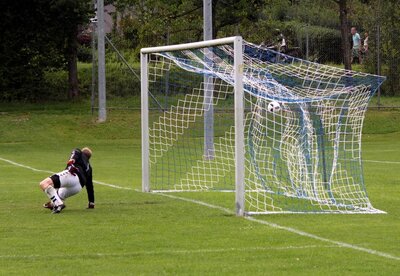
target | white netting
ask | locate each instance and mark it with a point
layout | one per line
(303, 157)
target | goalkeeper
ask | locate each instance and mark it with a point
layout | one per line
(77, 174)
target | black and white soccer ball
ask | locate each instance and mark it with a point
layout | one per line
(274, 107)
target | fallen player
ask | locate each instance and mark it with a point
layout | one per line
(77, 174)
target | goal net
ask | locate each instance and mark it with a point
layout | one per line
(282, 132)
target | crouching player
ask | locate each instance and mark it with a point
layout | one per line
(77, 174)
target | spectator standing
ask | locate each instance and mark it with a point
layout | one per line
(355, 53)
(365, 46)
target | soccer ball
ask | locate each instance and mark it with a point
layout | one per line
(274, 107)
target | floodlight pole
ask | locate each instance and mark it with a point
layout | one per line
(93, 87)
(208, 86)
(207, 20)
(101, 62)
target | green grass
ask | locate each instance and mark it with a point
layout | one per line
(135, 233)
(384, 101)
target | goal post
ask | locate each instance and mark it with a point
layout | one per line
(286, 132)
(239, 111)
(239, 126)
(145, 122)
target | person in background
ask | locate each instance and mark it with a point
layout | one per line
(365, 46)
(355, 53)
(282, 43)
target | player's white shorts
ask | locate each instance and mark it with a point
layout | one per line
(66, 183)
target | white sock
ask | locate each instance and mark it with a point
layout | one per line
(52, 194)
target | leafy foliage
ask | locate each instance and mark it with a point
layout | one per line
(384, 15)
(36, 37)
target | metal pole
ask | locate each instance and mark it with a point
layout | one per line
(378, 51)
(307, 43)
(145, 123)
(239, 127)
(166, 77)
(93, 88)
(101, 62)
(208, 86)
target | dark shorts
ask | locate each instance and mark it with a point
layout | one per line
(56, 181)
(67, 184)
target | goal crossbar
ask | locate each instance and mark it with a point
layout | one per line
(192, 45)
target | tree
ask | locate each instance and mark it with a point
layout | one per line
(344, 30)
(390, 41)
(25, 49)
(233, 12)
(150, 22)
(71, 14)
(38, 35)
(381, 18)
(153, 22)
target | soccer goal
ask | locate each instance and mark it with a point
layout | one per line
(283, 133)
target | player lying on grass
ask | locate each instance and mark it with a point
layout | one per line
(60, 186)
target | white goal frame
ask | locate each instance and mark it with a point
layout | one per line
(239, 157)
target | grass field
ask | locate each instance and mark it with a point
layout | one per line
(130, 232)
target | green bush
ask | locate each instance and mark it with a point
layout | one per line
(120, 82)
(324, 44)
(84, 53)
(56, 85)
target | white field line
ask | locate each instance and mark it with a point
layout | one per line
(338, 243)
(290, 229)
(223, 209)
(378, 150)
(50, 172)
(382, 162)
(270, 224)
(23, 166)
(113, 186)
(169, 252)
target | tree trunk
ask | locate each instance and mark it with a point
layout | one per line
(72, 59)
(344, 30)
(214, 19)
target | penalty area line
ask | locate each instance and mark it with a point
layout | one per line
(226, 210)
